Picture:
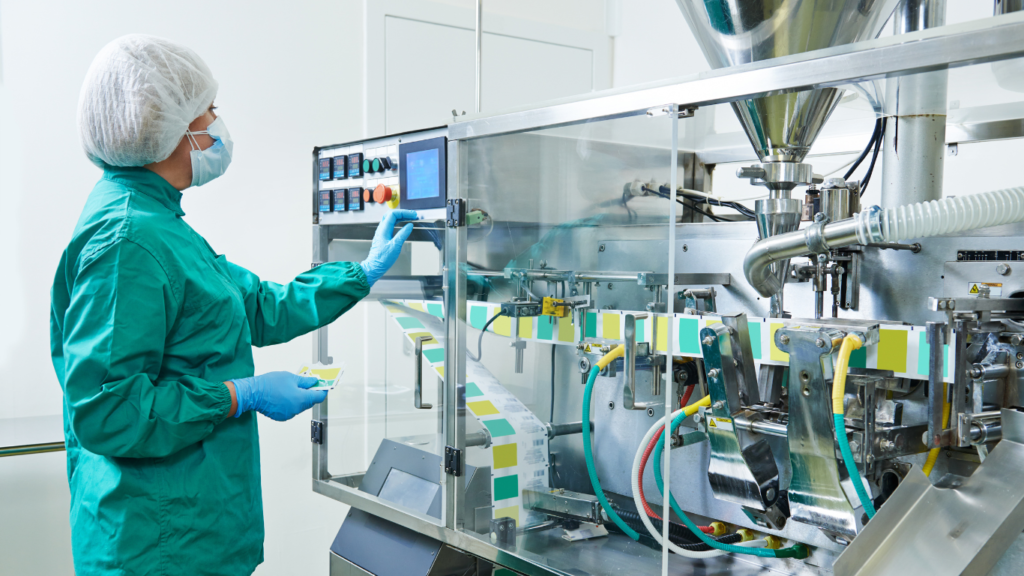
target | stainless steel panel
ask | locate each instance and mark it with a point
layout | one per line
(965, 530)
(950, 46)
(340, 567)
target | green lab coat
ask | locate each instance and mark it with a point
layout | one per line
(146, 324)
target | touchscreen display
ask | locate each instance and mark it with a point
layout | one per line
(421, 175)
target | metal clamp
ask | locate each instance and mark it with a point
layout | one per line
(417, 395)
(629, 389)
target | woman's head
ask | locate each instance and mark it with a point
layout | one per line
(140, 96)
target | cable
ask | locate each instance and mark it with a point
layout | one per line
(683, 202)
(551, 416)
(640, 481)
(480, 342)
(875, 134)
(686, 396)
(850, 343)
(588, 454)
(874, 156)
(933, 454)
(799, 551)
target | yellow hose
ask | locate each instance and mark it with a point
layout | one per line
(933, 454)
(607, 359)
(850, 343)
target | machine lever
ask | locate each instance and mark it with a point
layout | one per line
(629, 362)
(417, 395)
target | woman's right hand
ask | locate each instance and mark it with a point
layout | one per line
(277, 395)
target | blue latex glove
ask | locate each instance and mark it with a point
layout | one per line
(385, 248)
(277, 395)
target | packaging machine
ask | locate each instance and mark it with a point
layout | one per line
(839, 380)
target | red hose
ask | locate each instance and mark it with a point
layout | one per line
(686, 396)
(643, 465)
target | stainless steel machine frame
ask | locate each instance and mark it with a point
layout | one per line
(948, 47)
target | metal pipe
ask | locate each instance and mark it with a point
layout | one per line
(915, 134)
(815, 238)
(31, 449)
(986, 431)
(761, 427)
(479, 53)
(483, 438)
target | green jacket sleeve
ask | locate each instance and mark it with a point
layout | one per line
(280, 312)
(121, 308)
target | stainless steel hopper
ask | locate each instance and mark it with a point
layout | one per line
(781, 127)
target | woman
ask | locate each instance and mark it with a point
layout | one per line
(151, 331)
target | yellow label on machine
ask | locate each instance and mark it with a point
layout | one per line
(553, 307)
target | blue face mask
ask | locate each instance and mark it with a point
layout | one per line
(214, 161)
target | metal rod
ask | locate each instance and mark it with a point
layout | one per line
(761, 427)
(479, 51)
(936, 334)
(31, 449)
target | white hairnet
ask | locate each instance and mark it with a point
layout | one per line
(138, 98)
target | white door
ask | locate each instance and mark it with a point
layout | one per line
(420, 63)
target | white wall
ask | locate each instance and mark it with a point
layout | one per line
(278, 103)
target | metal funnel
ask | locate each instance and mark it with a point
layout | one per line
(733, 32)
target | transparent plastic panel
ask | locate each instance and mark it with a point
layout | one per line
(387, 410)
(571, 239)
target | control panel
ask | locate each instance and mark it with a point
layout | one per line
(360, 182)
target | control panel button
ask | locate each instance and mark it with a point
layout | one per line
(368, 166)
(375, 165)
(382, 194)
(386, 164)
(368, 196)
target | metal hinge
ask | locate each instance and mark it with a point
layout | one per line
(456, 216)
(452, 461)
(316, 432)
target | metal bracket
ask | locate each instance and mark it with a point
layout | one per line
(629, 365)
(417, 395)
(316, 432)
(456, 215)
(452, 461)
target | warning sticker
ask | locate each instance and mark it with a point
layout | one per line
(973, 288)
(720, 423)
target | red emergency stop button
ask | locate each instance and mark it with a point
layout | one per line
(381, 194)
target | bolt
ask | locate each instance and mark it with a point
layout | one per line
(770, 494)
(869, 458)
(600, 248)
(1020, 356)
(854, 446)
(951, 305)
(685, 248)
(718, 405)
(543, 264)
(887, 445)
(650, 412)
(708, 340)
(1003, 269)
(1019, 365)
(611, 404)
(609, 285)
(784, 339)
(820, 216)
(697, 418)
(821, 257)
(713, 373)
(1016, 340)
(820, 342)
(942, 304)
